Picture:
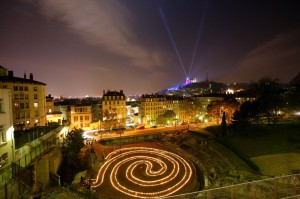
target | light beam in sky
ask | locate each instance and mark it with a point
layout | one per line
(172, 39)
(198, 38)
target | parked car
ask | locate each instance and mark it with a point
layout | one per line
(141, 127)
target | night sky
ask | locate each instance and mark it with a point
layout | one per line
(81, 47)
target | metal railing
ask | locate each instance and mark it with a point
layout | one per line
(278, 187)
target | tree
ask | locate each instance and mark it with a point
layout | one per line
(169, 115)
(72, 145)
(293, 95)
(72, 162)
(268, 97)
(246, 115)
(223, 126)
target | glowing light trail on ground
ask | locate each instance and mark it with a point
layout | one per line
(163, 172)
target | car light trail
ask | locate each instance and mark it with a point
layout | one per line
(144, 172)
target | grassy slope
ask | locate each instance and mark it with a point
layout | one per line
(268, 140)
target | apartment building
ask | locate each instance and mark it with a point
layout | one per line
(28, 99)
(81, 116)
(152, 106)
(114, 109)
(7, 146)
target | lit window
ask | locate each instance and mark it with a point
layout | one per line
(36, 121)
(35, 104)
(35, 88)
(16, 106)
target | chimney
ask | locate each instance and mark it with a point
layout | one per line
(31, 76)
(10, 73)
(24, 75)
(121, 91)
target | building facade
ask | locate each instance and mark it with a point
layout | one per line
(7, 146)
(28, 99)
(113, 109)
(152, 106)
(81, 116)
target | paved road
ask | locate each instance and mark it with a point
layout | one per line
(116, 134)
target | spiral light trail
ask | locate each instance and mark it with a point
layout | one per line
(144, 172)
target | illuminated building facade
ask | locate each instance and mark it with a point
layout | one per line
(204, 101)
(81, 116)
(28, 99)
(52, 114)
(114, 109)
(152, 106)
(7, 145)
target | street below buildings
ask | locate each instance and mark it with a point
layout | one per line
(94, 134)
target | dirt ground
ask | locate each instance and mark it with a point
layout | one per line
(107, 189)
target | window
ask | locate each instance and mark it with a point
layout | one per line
(2, 134)
(17, 115)
(15, 88)
(16, 96)
(25, 88)
(81, 118)
(34, 88)
(35, 105)
(36, 113)
(26, 105)
(3, 159)
(75, 118)
(26, 96)
(1, 106)
(20, 88)
(17, 106)
(86, 117)
(21, 96)
(27, 114)
(35, 96)
(21, 105)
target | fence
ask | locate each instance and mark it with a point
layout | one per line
(279, 187)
